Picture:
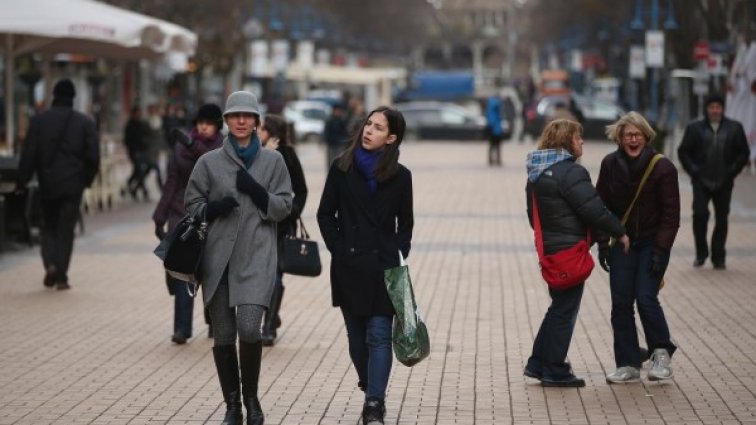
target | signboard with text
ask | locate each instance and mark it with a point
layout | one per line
(637, 62)
(655, 49)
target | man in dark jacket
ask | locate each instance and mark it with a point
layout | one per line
(713, 152)
(336, 133)
(62, 149)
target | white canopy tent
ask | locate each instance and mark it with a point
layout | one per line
(83, 27)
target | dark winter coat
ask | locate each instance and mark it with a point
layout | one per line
(336, 131)
(62, 147)
(298, 185)
(656, 213)
(569, 206)
(136, 138)
(364, 232)
(714, 158)
(170, 208)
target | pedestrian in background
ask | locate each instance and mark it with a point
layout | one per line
(136, 136)
(713, 151)
(204, 137)
(635, 277)
(62, 149)
(155, 144)
(274, 134)
(243, 191)
(336, 133)
(569, 207)
(366, 219)
(494, 130)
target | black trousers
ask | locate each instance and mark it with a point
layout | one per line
(721, 200)
(59, 220)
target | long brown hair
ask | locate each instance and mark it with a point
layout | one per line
(277, 127)
(388, 164)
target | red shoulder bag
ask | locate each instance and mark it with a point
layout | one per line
(566, 268)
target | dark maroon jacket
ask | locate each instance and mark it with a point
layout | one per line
(656, 214)
(170, 208)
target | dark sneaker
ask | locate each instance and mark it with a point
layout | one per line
(62, 286)
(180, 338)
(571, 382)
(532, 374)
(719, 266)
(373, 412)
(698, 262)
(49, 280)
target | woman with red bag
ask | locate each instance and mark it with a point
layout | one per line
(568, 208)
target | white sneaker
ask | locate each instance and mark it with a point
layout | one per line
(624, 374)
(660, 365)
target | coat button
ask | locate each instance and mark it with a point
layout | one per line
(351, 250)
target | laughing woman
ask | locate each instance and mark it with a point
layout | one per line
(366, 219)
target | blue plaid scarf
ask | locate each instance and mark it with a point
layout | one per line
(538, 161)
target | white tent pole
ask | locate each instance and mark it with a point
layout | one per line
(10, 65)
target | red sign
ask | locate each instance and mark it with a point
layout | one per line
(701, 50)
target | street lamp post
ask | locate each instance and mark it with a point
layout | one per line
(654, 40)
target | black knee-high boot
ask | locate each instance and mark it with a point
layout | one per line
(250, 356)
(228, 373)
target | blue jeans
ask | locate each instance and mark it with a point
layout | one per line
(553, 340)
(183, 306)
(631, 284)
(370, 350)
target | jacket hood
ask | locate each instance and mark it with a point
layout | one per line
(538, 161)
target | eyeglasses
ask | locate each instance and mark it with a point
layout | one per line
(631, 136)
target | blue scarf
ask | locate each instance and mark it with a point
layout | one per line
(538, 161)
(247, 154)
(366, 161)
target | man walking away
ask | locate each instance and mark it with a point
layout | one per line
(336, 133)
(713, 152)
(62, 149)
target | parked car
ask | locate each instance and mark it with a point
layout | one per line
(593, 113)
(308, 118)
(444, 121)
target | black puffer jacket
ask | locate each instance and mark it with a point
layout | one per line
(568, 206)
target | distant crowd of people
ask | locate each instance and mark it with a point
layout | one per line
(250, 186)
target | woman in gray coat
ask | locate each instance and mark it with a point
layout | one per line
(242, 190)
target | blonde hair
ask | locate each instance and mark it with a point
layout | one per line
(614, 131)
(559, 133)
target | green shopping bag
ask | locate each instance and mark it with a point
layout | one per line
(410, 335)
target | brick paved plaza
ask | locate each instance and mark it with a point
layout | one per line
(101, 352)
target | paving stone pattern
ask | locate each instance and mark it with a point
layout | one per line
(101, 352)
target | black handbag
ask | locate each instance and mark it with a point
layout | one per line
(299, 255)
(181, 249)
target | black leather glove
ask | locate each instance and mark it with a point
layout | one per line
(658, 264)
(247, 184)
(160, 231)
(220, 208)
(603, 256)
(179, 136)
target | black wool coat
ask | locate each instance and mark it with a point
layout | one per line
(63, 148)
(364, 232)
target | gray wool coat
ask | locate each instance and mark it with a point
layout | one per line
(245, 239)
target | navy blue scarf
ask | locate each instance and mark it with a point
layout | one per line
(247, 154)
(366, 161)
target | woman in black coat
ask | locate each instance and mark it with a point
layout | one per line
(366, 219)
(568, 207)
(204, 137)
(274, 135)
